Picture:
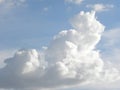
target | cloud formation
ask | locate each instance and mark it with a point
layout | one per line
(74, 1)
(71, 59)
(100, 7)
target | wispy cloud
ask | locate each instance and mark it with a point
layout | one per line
(45, 9)
(11, 3)
(111, 45)
(6, 5)
(74, 1)
(100, 7)
(112, 36)
(4, 54)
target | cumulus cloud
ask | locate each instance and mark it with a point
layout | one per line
(74, 1)
(71, 59)
(100, 7)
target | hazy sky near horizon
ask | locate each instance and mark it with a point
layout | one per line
(55, 36)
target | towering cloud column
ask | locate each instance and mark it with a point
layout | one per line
(73, 51)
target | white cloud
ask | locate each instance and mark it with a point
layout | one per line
(100, 7)
(71, 59)
(74, 1)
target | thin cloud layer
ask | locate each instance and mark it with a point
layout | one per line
(11, 2)
(71, 59)
(74, 1)
(110, 42)
(6, 5)
(100, 7)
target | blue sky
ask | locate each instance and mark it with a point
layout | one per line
(37, 21)
(32, 24)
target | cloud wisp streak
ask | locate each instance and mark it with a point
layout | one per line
(77, 2)
(100, 7)
(8, 5)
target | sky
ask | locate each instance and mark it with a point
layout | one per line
(59, 44)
